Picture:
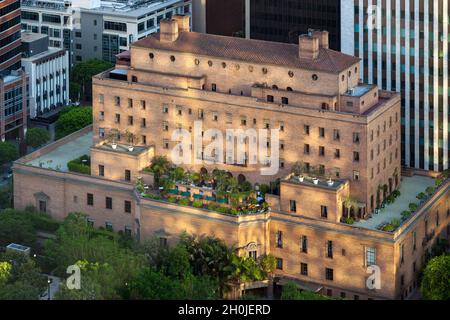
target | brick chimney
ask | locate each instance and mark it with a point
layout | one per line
(308, 47)
(183, 23)
(323, 36)
(168, 30)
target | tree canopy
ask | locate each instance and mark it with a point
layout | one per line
(8, 152)
(81, 78)
(73, 119)
(36, 137)
(436, 279)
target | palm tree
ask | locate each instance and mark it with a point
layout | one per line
(350, 203)
(160, 165)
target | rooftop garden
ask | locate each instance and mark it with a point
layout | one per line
(422, 197)
(316, 175)
(218, 191)
(399, 206)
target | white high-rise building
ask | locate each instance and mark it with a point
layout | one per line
(97, 29)
(404, 47)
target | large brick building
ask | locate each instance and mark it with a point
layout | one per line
(348, 131)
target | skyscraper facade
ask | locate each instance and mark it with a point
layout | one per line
(403, 45)
(285, 20)
(10, 45)
(13, 81)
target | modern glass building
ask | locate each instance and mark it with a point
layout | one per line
(13, 82)
(404, 47)
(285, 20)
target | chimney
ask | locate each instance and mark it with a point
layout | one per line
(323, 38)
(308, 47)
(168, 30)
(183, 23)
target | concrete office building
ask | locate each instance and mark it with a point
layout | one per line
(48, 72)
(13, 82)
(97, 29)
(403, 45)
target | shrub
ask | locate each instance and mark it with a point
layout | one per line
(390, 199)
(152, 196)
(413, 207)
(421, 196)
(395, 223)
(234, 212)
(44, 223)
(212, 207)
(396, 193)
(78, 166)
(264, 188)
(223, 210)
(172, 199)
(349, 220)
(197, 204)
(405, 214)
(184, 202)
(430, 190)
(388, 227)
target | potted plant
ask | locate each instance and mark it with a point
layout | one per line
(112, 137)
(298, 169)
(132, 140)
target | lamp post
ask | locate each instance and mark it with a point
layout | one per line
(49, 281)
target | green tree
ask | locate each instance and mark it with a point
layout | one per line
(73, 119)
(81, 78)
(436, 279)
(24, 280)
(108, 264)
(8, 152)
(36, 137)
(291, 292)
(160, 166)
(16, 228)
(6, 196)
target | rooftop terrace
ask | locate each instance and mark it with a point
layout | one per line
(58, 158)
(410, 188)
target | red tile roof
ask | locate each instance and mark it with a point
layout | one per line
(251, 51)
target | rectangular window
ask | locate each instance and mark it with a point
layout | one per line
(306, 149)
(269, 98)
(356, 137)
(127, 206)
(108, 226)
(117, 101)
(108, 203)
(336, 135)
(329, 274)
(370, 256)
(127, 175)
(321, 151)
(279, 239)
(101, 170)
(324, 212)
(356, 156)
(293, 206)
(329, 249)
(130, 120)
(304, 244)
(322, 132)
(279, 263)
(304, 269)
(90, 199)
(306, 129)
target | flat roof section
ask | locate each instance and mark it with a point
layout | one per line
(409, 189)
(58, 158)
